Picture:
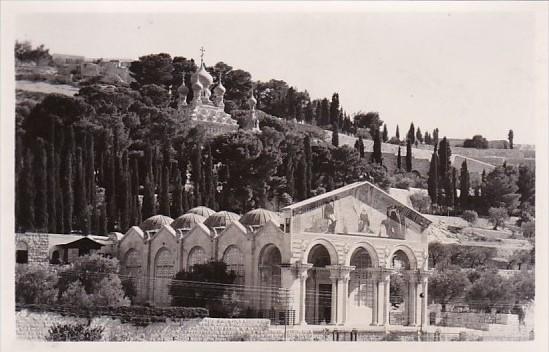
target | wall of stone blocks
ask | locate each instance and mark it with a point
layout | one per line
(37, 244)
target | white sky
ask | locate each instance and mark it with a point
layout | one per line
(466, 72)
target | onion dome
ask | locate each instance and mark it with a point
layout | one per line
(187, 221)
(202, 211)
(219, 89)
(221, 219)
(259, 217)
(204, 76)
(197, 86)
(183, 90)
(155, 222)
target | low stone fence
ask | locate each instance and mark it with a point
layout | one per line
(477, 321)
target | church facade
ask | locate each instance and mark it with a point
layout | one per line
(329, 259)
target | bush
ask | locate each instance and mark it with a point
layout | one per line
(528, 229)
(74, 332)
(497, 216)
(421, 202)
(470, 216)
(35, 285)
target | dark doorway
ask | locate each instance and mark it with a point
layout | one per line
(325, 303)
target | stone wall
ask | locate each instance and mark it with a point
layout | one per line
(37, 244)
(35, 326)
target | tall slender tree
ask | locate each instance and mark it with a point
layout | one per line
(464, 185)
(385, 136)
(210, 181)
(52, 183)
(376, 154)
(68, 195)
(41, 183)
(149, 202)
(334, 109)
(307, 149)
(408, 155)
(28, 192)
(433, 180)
(335, 134)
(164, 196)
(511, 136)
(177, 203)
(399, 159)
(80, 200)
(359, 146)
(397, 134)
(411, 136)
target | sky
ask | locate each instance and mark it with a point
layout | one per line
(465, 72)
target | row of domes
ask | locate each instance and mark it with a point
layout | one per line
(210, 218)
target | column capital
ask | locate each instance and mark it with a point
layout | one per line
(340, 271)
(383, 274)
(299, 269)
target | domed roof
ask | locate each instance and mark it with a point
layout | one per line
(219, 89)
(204, 76)
(197, 85)
(155, 222)
(187, 221)
(221, 219)
(259, 217)
(202, 211)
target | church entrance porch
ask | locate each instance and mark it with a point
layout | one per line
(318, 301)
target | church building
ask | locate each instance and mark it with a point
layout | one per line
(330, 259)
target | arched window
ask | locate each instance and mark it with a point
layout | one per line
(235, 262)
(132, 263)
(197, 255)
(21, 252)
(163, 266)
(400, 261)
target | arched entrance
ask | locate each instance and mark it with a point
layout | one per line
(361, 287)
(197, 255)
(131, 270)
(399, 292)
(163, 274)
(318, 299)
(270, 298)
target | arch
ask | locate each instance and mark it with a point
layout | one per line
(270, 278)
(234, 259)
(21, 252)
(403, 252)
(197, 255)
(361, 259)
(367, 247)
(334, 260)
(270, 254)
(132, 262)
(163, 273)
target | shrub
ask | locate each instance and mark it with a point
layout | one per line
(74, 332)
(497, 217)
(528, 229)
(421, 202)
(35, 285)
(75, 295)
(470, 216)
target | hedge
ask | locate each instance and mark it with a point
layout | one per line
(137, 315)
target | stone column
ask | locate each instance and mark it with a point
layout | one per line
(292, 279)
(341, 274)
(412, 298)
(303, 294)
(345, 280)
(333, 316)
(424, 320)
(386, 300)
(375, 297)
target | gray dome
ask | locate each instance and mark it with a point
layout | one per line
(259, 217)
(155, 222)
(202, 211)
(221, 219)
(187, 221)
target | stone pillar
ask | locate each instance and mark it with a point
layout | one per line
(424, 320)
(333, 319)
(375, 296)
(345, 312)
(302, 296)
(412, 299)
(291, 279)
(386, 300)
(340, 273)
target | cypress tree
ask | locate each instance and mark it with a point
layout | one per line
(334, 109)
(210, 179)
(197, 175)
(52, 183)
(335, 134)
(325, 112)
(432, 181)
(103, 231)
(411, 134)
(385, 133)
(435, 136)
(399, 159)
(28, 192)
(91, 182)
(444, 154)
(165, 193)
(408, 155)
(80, 201)
(125, 191)
(301, 182)
(110, 191)
(177, 204)
(318, 113)
(464, 184)
(68, 196)
(41, 184)
(290, 169)
(419, 135)
(19, 166)
(135, 208)
(308, 164)
(59, 195)
(376, 154)
(454, 186)
(397, 134)
(511, 135)
(149, 204)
